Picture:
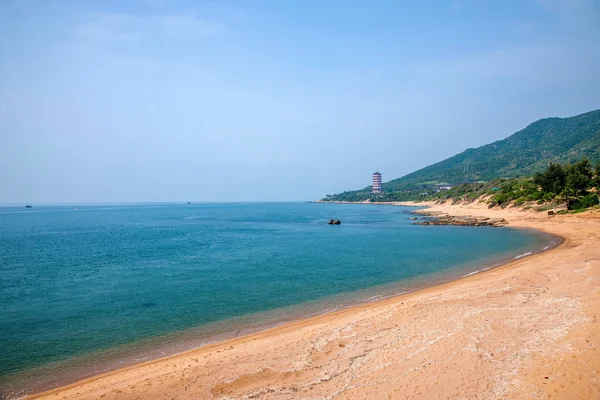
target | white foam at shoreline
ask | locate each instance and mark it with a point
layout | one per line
(478, 271)
(524, 255)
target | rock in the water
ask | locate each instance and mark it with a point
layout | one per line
(445, 219)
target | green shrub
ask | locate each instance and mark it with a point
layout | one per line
(537, 195)
(548, 196)
(501, 198)
(584, 202)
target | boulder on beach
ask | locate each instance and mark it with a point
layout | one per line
(445, 219)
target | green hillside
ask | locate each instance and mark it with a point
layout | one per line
(562, 140)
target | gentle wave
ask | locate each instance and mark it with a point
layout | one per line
(524, 255)
(476, 272)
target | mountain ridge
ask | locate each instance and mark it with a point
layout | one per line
(523, 153)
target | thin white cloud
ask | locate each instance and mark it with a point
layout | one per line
(558, 62)
(131, 28)
(527, 27)
(575, 14)
(108, 27)
(568, 53)
(187, 26)
(506, 62)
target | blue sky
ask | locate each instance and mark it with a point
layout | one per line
(155, 100)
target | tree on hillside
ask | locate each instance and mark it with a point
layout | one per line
(577, 182)
(585, 167)
(578, 178)
(552, 180)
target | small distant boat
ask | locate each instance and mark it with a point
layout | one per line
(28, 206)
(189, 202)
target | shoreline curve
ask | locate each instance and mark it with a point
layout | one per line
(332, 317)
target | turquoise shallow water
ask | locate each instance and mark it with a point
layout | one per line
(128, 282)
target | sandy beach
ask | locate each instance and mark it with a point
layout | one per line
(525, 330)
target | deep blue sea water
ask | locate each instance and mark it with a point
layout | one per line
(119, 284)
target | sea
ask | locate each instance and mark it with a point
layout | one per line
(85, 289)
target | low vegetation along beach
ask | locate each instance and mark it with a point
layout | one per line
(528, 329)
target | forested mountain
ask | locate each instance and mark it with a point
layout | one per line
(562, 140)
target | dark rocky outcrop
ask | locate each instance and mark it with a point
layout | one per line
(439, 218)
(334, 222)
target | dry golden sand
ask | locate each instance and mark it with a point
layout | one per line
(525, 330)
